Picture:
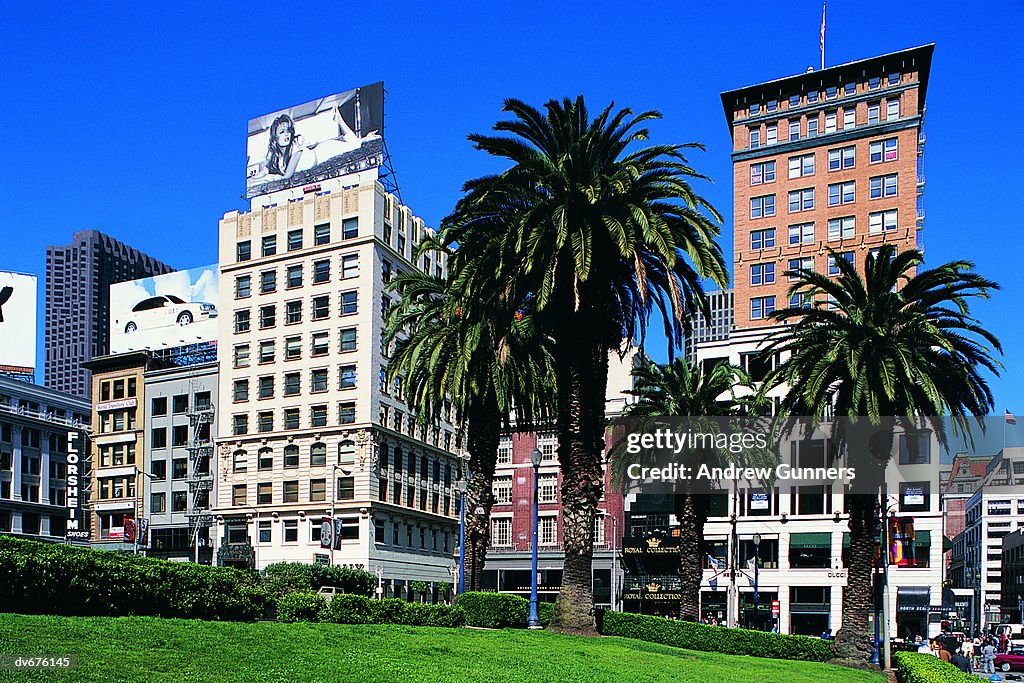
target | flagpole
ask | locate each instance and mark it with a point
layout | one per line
(823, 35)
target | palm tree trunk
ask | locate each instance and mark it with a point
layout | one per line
(581, 366)
(691, 513)
(483, 426)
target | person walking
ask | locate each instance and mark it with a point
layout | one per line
(988, 656)
(960, 661)
(941, 651)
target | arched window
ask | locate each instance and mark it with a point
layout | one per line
(266, 458)
(291, 455)
(318, 454)
(239, 460)
(347, 452)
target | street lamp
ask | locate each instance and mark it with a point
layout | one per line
(534, 621)
(615, 585)
(140, 499)
(757, 561)
(334, 496)
(255, 545)
(463, 485)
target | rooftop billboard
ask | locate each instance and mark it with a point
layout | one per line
(17, 321)
(326, 138)
(164, 311)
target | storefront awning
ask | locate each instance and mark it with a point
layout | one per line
(811, 540)
(913, 598)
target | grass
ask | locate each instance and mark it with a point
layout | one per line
(150, 649)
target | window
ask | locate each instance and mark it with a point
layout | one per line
(158, 468)
(241, 390)
(874, 83)
(385, 271)
(812, 96)
(320, 343)
(830, 122)
(755, 137)
(883, 186)
(292, 383)
(291, 456)
(762, 239)
(347, 452)
(794, 130)
(874, 112)
(771, 134)
(292, 348)
(794, 101)
(843, 157)
(841, 193)
(268, 281)
(318, 416)
(291, 418)
(849, 88)
(317, 490)
(501, 532)
(265, 422)
(243, 286)
(158, 503)
(346, 413)
(349, 228)
(347, 488)
(762, 173)
(158, 437)
(294, 276)
(915, 449)
(243, 251)
(841, 228)
(892, 109)
(238, 495)
(801, 233)
(755, 108)
(321, 234)
(347, 339)
(291, 528)
(849, 119)
(547, 444)
(547, 488)
(812, 126)
(762, 274)
(349, 266)
(502, 489)
(268, 316)
(321, 307)
(882, 221)
(267, 351)
(894, 78)
(318, 380)
(264, 493)
(773, 105)
(241, 358)
(179, 404)
(883, 150)
(801, 200)
(800, 300)
(265, 459)
(349, 302)
(833, 267)
(761, 307)
(505, 449)
(801, 166)
(346, 377)
(548, 531)
(318, 454)
(292, 312)
(295, 239)
(269, 245)
(242, 321)
(800, 264)
(239, 424)
(761, 207)
(158, 407)
(321, 271)
(266, 387)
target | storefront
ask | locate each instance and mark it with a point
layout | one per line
(912, 607)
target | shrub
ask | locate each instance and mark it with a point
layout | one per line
(733, 641)
(448, 616)
(350, 609)
(915, 668)
(501, 610)
(301, 606)
(356, 609)
(48, 578)
(388, 611)
(286, 577)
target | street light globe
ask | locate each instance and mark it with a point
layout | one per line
(536, 456)
(462, 484)
(757, 539)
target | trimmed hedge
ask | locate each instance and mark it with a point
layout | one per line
(48, 578)
(912, 667)
(501, 610)
(731, 641)
(356, 609)
(288, 577)
(301, 606)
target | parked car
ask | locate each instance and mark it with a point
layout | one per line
(1010, 661)
(167, 310)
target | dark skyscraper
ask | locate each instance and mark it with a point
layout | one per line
(78, 279)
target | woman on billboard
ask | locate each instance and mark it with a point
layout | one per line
(284, 152)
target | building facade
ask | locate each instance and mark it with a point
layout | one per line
(307, 423)
(78, 279)
(717, 327)
(44, 450)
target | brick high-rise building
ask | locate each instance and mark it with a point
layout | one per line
(78, 279)
(824, 159)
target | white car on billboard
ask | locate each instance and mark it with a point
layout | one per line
(166, 311)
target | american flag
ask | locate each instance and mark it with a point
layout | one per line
(823, 27)
(1010, 419)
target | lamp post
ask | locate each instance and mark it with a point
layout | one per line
(615, 585)
(334, 497)
(256, 544)
(757, 562)
(140, 500)
(534, 621)
(463, 484)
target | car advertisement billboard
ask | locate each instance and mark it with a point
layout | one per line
(326, 138)
(165, 311)
(17, 321)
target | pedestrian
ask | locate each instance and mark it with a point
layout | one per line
(961, 662)
(941, 651)
(923, 647)
(988, 656)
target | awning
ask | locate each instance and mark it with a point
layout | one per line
(811, 540)
(913, 598)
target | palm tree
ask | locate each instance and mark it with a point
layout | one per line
(602, 241)
(678, 389)
(888, 348)
(453, 358)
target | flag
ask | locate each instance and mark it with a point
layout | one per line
(823, 28)
(1010, 419)
(714, 562)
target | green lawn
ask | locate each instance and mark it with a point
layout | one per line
(149, 649)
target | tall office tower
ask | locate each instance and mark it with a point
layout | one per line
(78, 279)
(714, 328)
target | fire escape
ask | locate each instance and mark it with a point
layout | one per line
(200, 483)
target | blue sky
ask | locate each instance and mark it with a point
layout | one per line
(132, 120)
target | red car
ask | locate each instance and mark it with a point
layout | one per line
(1010, 661)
